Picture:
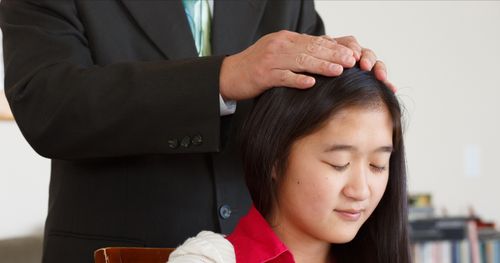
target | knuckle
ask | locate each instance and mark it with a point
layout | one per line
(276, 44)
(319, 40)
(335, 53)
(312, 47)
(328, 37)
(283, 77)
(270, 36)
(380, 65)
(301, 59)
(349, 51)
(351, 38)
(367, 51)
(283, 33)
(272, 45)
(325, 67)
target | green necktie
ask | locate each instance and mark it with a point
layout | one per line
(198, 14)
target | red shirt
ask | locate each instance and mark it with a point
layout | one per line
(255, 242)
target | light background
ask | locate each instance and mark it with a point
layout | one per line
(444, 57)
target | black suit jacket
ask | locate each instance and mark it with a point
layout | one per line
(114, 93)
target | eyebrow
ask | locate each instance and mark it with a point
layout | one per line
(343, 147)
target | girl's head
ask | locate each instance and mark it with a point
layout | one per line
(328, 164)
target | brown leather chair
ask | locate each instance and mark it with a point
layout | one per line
(132, 255)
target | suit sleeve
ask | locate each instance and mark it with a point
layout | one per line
(69, 108)
(309, 21)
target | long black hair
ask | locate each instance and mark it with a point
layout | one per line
(281, 116)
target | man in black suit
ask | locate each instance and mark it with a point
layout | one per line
(114, 93)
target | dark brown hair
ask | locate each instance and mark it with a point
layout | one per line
(283, 115)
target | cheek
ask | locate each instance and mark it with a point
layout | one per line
(308, 184)
(378, 187)
(313, 192)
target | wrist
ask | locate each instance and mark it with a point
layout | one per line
(225, 78)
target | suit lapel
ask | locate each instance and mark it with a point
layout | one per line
(166, 25)
(234, 24)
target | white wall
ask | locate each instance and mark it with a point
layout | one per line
(445, 58)
(24, 180)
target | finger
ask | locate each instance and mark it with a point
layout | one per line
(337, 54)
(380, 72)
(352, 43)
(287, 78)
(325, 49)
(307, 63)
(311, 41)
(368, 59)
(391, 86)
(329, 38)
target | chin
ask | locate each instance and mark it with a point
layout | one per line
(343, 237)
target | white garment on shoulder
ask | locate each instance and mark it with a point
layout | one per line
(206, 247)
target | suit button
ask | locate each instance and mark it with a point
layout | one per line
(225, 211)
(186, 142)
(197, 140)
(173, 143)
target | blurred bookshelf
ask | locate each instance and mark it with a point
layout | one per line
(450, 239)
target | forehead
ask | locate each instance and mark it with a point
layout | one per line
(358, 125)
(354, 112)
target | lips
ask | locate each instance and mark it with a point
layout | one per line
(349, 214)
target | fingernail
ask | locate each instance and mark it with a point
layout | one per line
(309, 81)
(349, 60)
(334, 68)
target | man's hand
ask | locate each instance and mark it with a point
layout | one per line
(277, 58)
(367, 59)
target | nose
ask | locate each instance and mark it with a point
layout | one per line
(357, 187)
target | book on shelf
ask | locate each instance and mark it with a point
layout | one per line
(466, 239)
(445, 228)
(454, 240)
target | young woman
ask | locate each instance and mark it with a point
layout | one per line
(326, 171)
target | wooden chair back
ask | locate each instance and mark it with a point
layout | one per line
(132, 255)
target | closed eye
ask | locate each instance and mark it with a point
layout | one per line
(340, 168)
(377, 169)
